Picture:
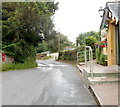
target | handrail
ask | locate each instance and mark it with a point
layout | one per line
(90, 59)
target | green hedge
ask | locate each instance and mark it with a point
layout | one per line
(68, 55)
(20, 51)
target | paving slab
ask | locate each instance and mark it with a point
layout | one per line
(97, 68)
(106, 94)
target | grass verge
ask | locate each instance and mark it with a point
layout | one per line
(17, 66)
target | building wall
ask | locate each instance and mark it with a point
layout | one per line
(111, 44)
(113, 39)
(119, 43)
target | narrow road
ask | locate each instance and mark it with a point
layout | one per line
(51, 83)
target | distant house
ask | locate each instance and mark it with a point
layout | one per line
(110, 32)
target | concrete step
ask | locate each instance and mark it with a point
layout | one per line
(100, 74)
(99, 80)
(98, 71)
(80, 68)
(117, 67)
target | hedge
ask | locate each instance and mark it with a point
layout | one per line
(68, 55)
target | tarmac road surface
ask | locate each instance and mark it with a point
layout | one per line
(51, 83)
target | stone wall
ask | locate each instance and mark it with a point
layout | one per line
(8, 59)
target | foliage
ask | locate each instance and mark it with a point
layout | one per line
(101, 44)
(81, 53)
(63, 41)
(21, 50)
(80, 39)
(24, 25)
(90, 41)
(87, 39)
(81, 59)
(52, 44)
(68, 55)
(29, 63)
(98, 53)
(103, 59)
(100, 58)
(81, 48)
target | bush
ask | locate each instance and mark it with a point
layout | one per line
(29, 63)
(100, 58)
(68, 55)
(82, 59)
(81, 48)
(7, 66)
(20, 51)
(103, 59)
(90, 41)
(98, 53)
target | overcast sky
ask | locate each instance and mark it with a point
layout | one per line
(78, 16)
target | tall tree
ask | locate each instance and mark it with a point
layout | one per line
(80, 40)
(59, 41)
(25, 24)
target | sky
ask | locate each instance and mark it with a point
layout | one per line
(78, 16)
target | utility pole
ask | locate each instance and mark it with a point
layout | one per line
(58, 37)
(58, 42)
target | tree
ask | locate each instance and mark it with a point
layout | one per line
(90, 41)
(25, 24)
(82, 36)
(53, 44)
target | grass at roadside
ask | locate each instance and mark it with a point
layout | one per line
(17, 66)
